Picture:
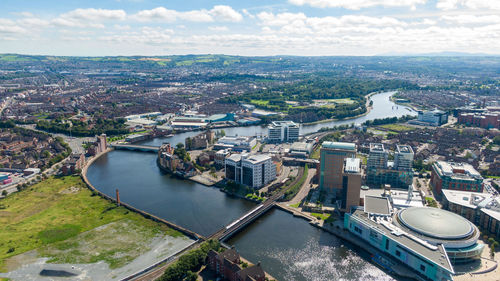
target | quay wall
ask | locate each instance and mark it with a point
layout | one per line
(189, 233)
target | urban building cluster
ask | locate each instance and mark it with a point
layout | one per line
(486, 118)
(170, 162)
(21, 149)
(381, 171)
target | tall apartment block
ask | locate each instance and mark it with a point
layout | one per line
(283, 131)
(403, 158)
(380, 171)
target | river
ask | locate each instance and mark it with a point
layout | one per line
(289, 248)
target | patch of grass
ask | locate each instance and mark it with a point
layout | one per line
(43, 214)
(59, 233)
(260, 102)
(431, 202)
(316, 153)
(296, 205)
(321, 216)
(397, 127)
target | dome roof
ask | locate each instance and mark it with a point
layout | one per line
(436, 223)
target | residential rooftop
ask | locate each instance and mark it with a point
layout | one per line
(377, 147)
(404, 149)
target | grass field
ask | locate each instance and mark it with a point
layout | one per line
(321, 216)
(54, 212)
(397, 127)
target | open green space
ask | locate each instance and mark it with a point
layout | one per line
(321, 216)
(58, 214)
(397, 127)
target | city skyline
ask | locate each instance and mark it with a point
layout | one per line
(293, 27)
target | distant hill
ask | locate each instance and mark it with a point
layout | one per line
(440, 54)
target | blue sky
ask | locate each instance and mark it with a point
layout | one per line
(256, 27)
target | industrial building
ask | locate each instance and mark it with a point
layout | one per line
(251, 170)
(301, 149)
(455, 176)
(430, 241)
(481, 208)
(283, 131)
(431, 118)
(379, 171)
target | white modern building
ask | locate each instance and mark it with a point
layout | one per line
(378, 156)
(403, 158)
(283, 131)
(236, 143)
(251, 170)
(432, 118)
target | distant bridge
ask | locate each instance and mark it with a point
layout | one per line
(136, 147)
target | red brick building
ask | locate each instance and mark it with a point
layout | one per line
(226, 265)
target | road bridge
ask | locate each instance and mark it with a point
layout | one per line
(136, 147)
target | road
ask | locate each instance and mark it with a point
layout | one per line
(304, 189)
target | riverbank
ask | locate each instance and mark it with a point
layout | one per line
(59, 225)
(147, 215)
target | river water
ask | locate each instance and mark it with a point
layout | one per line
(289, 248)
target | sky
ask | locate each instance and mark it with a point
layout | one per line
(249, 27)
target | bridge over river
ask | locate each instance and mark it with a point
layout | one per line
(135, 147)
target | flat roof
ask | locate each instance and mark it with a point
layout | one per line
(435, 254)
(339, 145)
(377, 205)
(404, 149)
(376, 147)
(458, 170)
(352, 165)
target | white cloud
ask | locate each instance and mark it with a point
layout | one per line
(357, 4)
(471, 4)
(9, 26)
(147, 35)
(88, 17)
(217, 13)
(472, 19)
(95, 14)
(218, 28)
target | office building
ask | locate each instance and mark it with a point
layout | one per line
(430, 241)
(431, 118)
(301, 149)
(251, 170)
(283, 131)
(236, 143)
(379, 171)
(333, 155)
(455, 176)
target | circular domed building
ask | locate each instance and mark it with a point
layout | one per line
(437, 226)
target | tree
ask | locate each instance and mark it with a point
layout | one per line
(191, 276)
(4, 193)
